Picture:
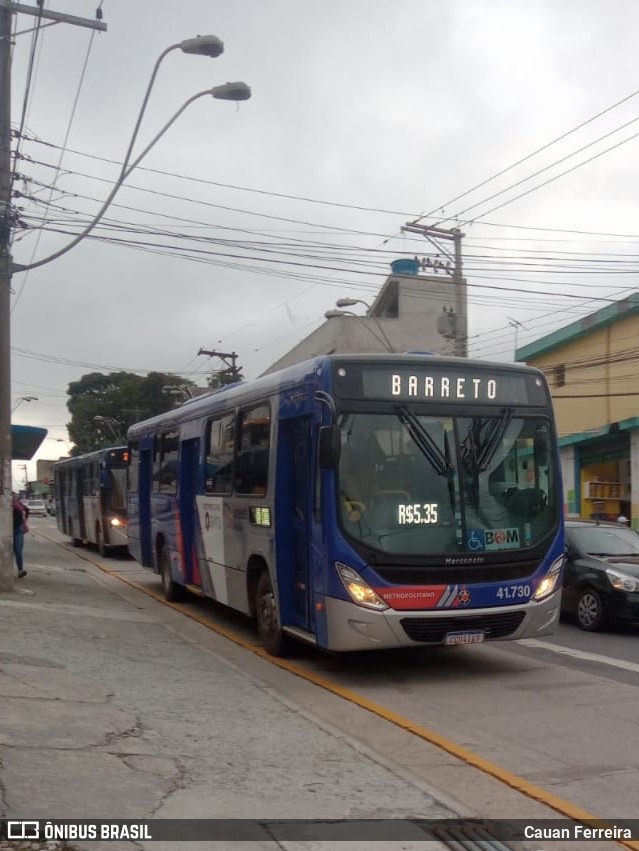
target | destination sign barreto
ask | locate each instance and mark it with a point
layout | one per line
(412, 384)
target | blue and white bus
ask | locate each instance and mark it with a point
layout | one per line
(360, 502)
(90, 494)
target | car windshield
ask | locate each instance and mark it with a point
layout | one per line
(416, 484)
(604, 540)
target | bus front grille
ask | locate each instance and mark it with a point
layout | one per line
(433, 629)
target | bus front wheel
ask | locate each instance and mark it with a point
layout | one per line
(102, 548)
(75, 542)
(172, 590)
(268, 620)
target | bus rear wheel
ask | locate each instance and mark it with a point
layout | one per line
(275, 641)
(172, 590)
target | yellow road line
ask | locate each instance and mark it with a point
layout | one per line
(514, 781)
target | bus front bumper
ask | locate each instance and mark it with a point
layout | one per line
(351, 627)
(117, 535)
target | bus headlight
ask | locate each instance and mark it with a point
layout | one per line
(115, 521)
(549, 583)
(359, 591)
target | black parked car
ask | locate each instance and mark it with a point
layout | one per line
(601, 577)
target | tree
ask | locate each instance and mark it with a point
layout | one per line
(224, 377)
(103, 407)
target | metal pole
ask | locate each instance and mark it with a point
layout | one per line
(461, 321)
(7, 570)
(57, 17)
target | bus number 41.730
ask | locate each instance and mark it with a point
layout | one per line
(514, 592)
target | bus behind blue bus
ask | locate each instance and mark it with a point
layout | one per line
(360, 502)
(90, 494)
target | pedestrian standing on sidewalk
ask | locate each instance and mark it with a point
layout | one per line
(20, 514)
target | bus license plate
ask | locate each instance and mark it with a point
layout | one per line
(464, 638)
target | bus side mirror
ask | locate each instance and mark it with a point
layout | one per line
(329, 447)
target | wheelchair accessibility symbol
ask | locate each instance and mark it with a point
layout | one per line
(476, 540)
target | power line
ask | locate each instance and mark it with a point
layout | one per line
(531, 155)
(27, 89)
(555, 177)
(60, 158)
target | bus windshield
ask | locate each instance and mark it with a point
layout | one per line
(414, 484)
(116, 490)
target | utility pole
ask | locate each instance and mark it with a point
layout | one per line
(229, 359)
(7, 10)
(459, 283)
(516, 325)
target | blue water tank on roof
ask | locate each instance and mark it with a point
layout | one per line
(405, 266)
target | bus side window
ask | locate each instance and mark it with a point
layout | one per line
(251, 471)
(220, 443)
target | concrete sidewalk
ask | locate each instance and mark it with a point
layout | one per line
(110, 711)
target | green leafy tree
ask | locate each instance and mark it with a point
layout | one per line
(102, 407)
(224, 377)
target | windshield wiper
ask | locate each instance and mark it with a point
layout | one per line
(424, 442)
(496, 432)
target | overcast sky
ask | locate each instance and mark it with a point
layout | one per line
(247, 223)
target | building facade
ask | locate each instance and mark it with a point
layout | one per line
(412, 312)
(592, 367)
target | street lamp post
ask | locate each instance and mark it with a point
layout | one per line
(201, 45)
(23, 399)
(351, 302)
(383, 339)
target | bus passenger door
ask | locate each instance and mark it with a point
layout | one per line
(300, 446)
(144, 508)
(188, 483)
(81, 532)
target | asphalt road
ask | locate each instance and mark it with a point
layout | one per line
(559, 713)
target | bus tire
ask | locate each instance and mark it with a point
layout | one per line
(101, 547)
(274, 640)
(75, 542)
(172, 590)
(590, 610)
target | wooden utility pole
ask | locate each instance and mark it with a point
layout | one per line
(7, 10)
(230, 361)
(459, 284)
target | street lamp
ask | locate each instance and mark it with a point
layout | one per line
(207, 45)
(23, 399)
(383, 339)
(351, 302)
(201, 45)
